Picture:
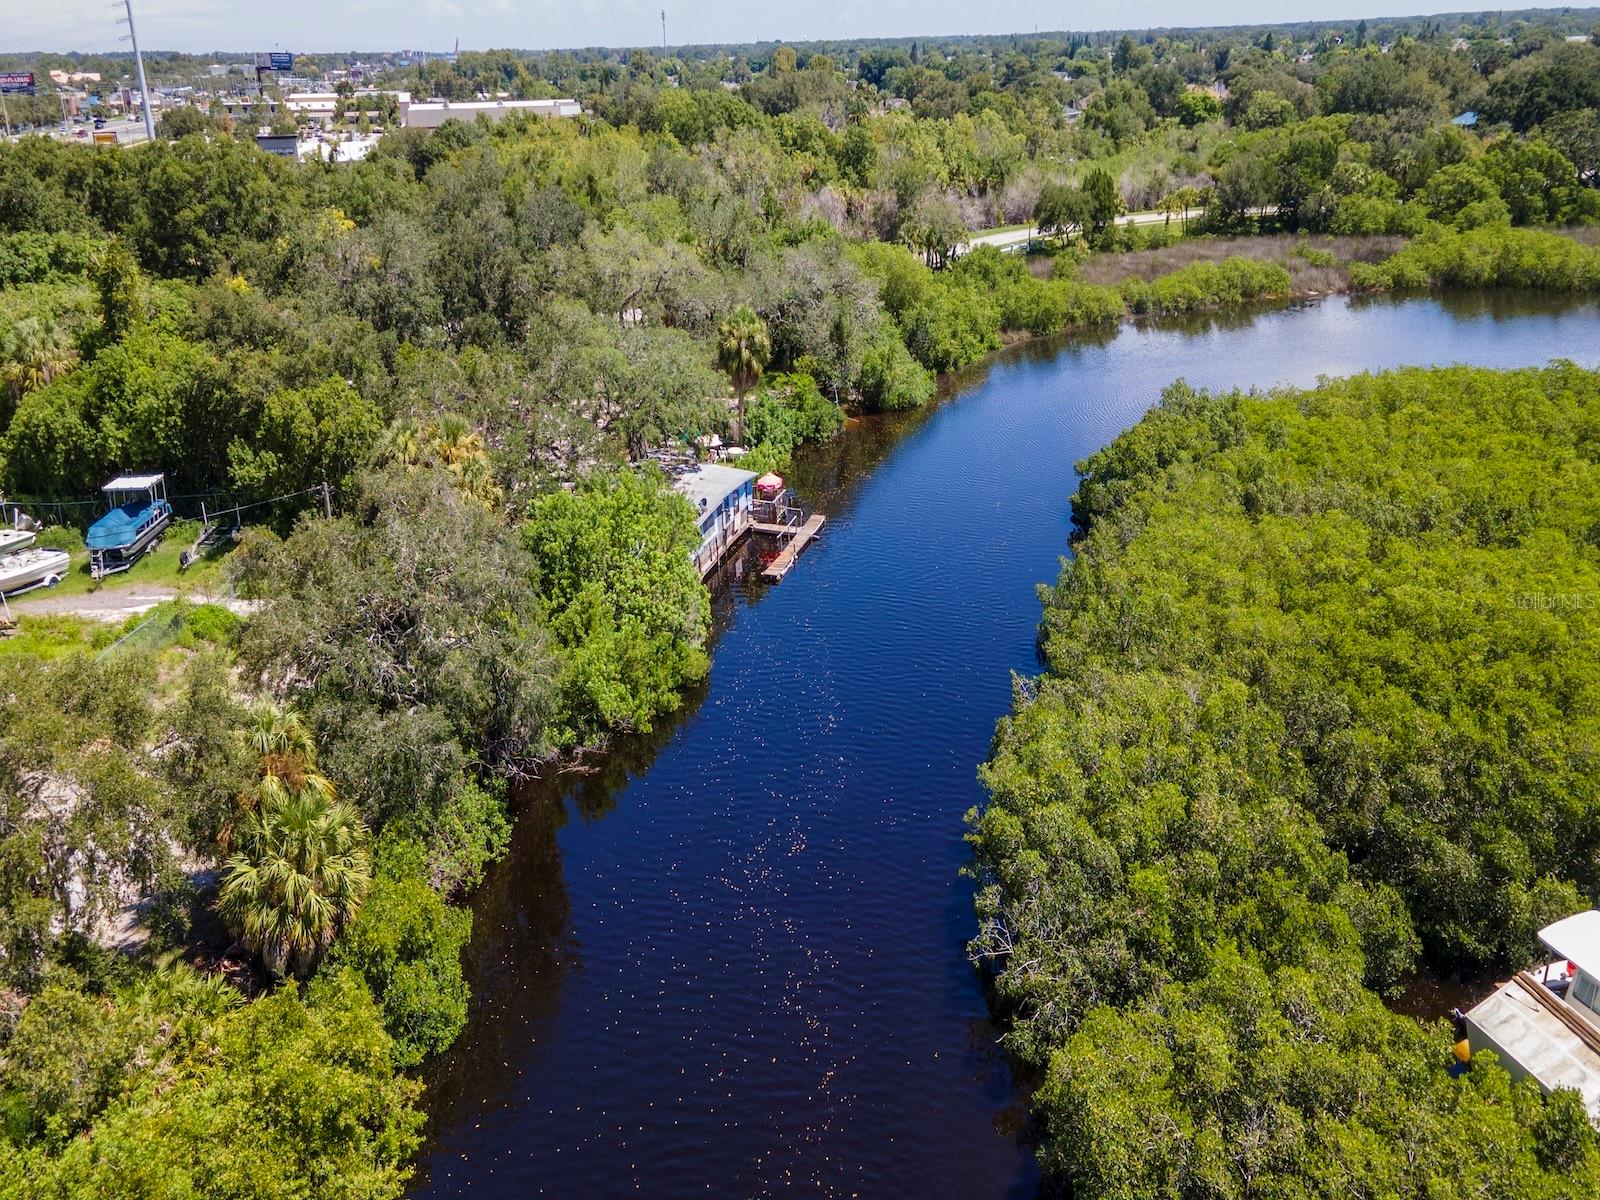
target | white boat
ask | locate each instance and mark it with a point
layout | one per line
(21, 533)
(12, 540)
(35, 567)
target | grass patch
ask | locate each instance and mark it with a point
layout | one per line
(977, 233)
(51, 636)
(185, 624)
(1314, 264)
(158, 568)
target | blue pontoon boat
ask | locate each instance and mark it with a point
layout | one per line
(139, 514)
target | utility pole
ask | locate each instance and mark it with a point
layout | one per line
(138, 60)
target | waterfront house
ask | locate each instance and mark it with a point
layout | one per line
(1544, 1024)
(723, 497)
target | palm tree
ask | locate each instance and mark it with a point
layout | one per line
(453, 443)
(460, 448)
(283, 743)
(180, 1003)
(35, 352)
(299, 877)
(288, 759)
(743, 350)
(475, 480)
(1171, 203)
(404, 444)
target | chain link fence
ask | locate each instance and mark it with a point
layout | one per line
(177, 620)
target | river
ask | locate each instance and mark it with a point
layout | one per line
(731, 963)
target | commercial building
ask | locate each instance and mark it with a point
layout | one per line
(284, 145)
(434, 113)
(320, 106)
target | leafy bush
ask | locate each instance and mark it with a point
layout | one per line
(32, 257)
(282, 1097)
(1462, 196)
(791, 409)
(901, 276)
(214, 623)
(63, 1063)
(406, 943)
(892, 379)
(1202, 284)
(60, 537)
(953, 325)
(1371, 215)
(1089, 305)
(1196, 108)
(624, 602)
(1032, 305)
(1491, 257)
(1317, 257)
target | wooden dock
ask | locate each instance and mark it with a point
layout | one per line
(799, 539)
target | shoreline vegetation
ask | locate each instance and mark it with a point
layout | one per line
(1308, 721)
(233, 848)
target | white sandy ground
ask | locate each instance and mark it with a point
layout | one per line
(115, 605)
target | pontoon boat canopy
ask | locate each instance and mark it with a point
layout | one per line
(133, 483)
(1577, 939)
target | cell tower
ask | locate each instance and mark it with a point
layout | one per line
(138, 60)
(663, 31)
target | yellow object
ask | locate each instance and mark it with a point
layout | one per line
(1463, 1051)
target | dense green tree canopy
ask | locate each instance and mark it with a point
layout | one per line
(614, 560)
(1293, 740)
(1319, 700)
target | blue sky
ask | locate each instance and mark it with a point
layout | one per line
(331, 25)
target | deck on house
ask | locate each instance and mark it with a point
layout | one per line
(799, 538)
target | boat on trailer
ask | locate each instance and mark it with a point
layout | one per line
(138, 517)
(21, 533)
(32, 568)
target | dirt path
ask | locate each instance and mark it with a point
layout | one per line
(116, 604)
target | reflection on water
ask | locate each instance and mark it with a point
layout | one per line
(727, 959)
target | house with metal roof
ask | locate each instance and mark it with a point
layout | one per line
(1545, 1024)
(724, 499)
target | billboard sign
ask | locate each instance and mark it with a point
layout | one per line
(276, 60)
(16, 83)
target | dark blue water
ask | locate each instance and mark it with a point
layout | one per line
(730, 963)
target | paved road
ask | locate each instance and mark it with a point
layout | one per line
(1017, 239)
